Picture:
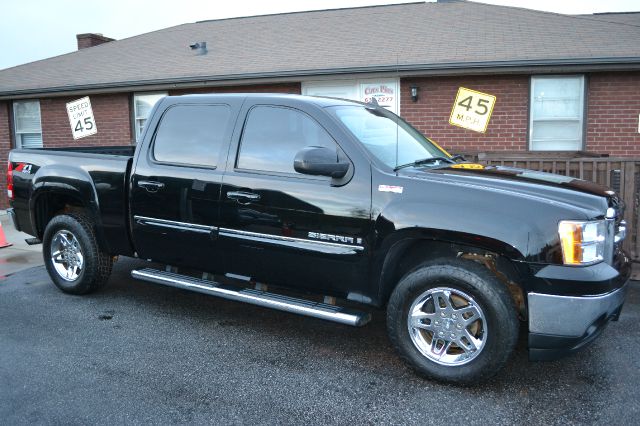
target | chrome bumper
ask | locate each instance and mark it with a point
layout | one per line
(572, 316)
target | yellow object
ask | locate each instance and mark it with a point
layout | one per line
(472, 110)
(439, 147)
(571, 238)
(468, 166)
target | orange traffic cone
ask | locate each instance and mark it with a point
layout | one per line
(3, 240)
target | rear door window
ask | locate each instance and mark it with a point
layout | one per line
(192, 134)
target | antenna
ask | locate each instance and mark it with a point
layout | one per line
(397, 103)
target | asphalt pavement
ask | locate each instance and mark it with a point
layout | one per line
(139, 353)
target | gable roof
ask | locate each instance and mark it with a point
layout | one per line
(394, 38)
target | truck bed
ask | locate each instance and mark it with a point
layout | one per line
(97, 174)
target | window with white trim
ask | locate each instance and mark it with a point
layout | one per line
(557, 113)
(142, 105)
(26, 124)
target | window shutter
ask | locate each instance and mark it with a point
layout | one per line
(31, 140)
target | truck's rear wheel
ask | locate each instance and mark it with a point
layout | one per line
(452, 320)
(75, 262)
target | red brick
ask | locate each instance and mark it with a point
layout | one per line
(612, 113)
(435, 98)
(111, 112)
(294, 88)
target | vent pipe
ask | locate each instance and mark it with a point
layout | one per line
(199, 48)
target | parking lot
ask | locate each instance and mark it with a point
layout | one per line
(141, 353)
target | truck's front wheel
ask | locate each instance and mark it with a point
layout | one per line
(75, 262)
(452, 320)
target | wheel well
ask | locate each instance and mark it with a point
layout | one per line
(407, 255)
(53, 204)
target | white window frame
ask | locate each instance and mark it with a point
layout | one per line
(18, 133)
(582, 109)
(137, 118)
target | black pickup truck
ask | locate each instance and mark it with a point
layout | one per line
(317, 206)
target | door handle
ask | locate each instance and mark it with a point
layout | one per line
(150, 186)
(242, 195)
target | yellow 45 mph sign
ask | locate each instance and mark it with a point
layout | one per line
(472, 110)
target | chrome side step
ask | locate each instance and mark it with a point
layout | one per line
(255, 297)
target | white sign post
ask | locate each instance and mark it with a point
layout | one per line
(81, 118)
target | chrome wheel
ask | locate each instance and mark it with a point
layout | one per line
(66, 255)
(447, 326)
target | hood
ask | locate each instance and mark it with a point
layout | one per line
(552, 187)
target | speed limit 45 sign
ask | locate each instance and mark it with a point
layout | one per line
(472, 110)
(81, 118)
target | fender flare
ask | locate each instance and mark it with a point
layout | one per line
(395, 246)
(66, 181)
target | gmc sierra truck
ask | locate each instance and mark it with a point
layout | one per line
(320, 207)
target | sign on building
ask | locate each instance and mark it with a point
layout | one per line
(472, 110)
(385, 92)
(81, 118)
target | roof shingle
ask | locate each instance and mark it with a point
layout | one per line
(404, 36)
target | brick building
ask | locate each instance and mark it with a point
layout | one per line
(563, 83)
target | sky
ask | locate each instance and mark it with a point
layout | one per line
(31, 30)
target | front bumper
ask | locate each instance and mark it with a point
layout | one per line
(560, 325)
(565, 321)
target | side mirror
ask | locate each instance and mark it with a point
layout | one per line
(320, 161)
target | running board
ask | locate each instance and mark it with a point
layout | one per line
(255, 297)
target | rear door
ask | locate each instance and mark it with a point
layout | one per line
(175, 193)
(283, 227)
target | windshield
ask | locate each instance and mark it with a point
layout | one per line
(377, 129)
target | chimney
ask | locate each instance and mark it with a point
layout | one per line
(91, 39)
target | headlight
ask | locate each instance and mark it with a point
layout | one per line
(582, 242)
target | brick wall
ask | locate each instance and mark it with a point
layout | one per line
(613, 108)
(507, 129)
(613, 105)
(294, 88)
(111, 112)
(5, 146)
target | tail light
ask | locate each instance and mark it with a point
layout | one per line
(10, 180)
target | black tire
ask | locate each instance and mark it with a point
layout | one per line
(96, 267)
(487, 292)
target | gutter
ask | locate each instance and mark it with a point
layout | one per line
(451, 68)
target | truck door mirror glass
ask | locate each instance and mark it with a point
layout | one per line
(320, 161)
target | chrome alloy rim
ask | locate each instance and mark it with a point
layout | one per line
(66, 255)
(447, 326)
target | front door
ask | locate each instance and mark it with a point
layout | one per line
(286, 228)
(175, 190)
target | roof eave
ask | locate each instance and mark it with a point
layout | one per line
(452, 68)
